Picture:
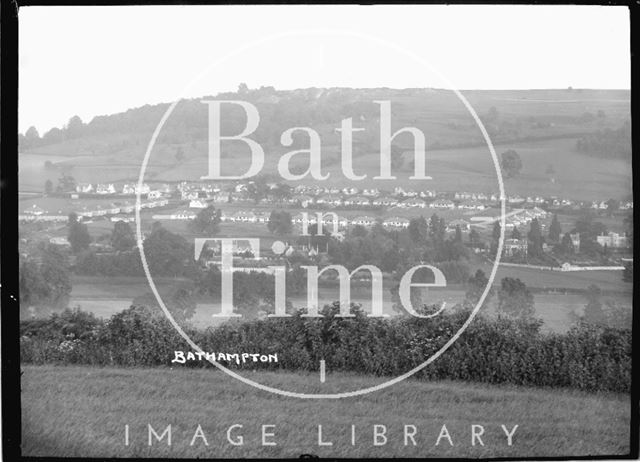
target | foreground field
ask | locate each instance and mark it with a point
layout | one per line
(82, 412)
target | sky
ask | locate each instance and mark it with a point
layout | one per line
(90, 61)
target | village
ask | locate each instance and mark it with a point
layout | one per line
(251, 203)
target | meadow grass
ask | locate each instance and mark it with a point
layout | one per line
(82, 412)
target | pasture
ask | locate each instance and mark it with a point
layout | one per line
(116, 156)
(106, 296)
(82, 412)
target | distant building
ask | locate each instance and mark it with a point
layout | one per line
(442, 204)
(514, 246)
(197, 204)
(613, 240)
(396, 222)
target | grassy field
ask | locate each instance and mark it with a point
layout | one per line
(82, 412)
(117, 156)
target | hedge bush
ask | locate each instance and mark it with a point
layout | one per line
(492, 350)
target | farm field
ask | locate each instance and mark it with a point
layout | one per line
(116, 155)
(106, 296)
(82, 412)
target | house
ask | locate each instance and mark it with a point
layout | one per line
(183, 215)
(330, 200)
(471, 205)
(442, 204)
(188, 195)
(61, 241)
(303, 200)
(613, 240)
(626, 205)
(157, 203)
(515, 246)
(427, 194)
(108, 188)
(84, 188)
(242, 216)
(350, 191)
(357, 201)
(373, 192)
(220, 198)
(462, 196)
(412, 203)
(129, 188)
(363, 221)
(262, 217)
(34, 210)
(124, 219)
(515, 199)
(464, 225)
(396, 222)
(385, 201)
(198, 204)
(154, 194)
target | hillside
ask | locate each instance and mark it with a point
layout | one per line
(553, 131)
(94, 406)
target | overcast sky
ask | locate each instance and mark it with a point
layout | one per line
(100, 60)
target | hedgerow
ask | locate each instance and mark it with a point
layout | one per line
(491, 350)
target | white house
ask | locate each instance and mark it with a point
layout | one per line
(198, 204)
(107, 188)
(413, 202)
(363, 221)
(34, 210)
(84, 188)
(396, 222)
(442, 204)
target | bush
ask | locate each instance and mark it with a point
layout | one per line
(492, 350)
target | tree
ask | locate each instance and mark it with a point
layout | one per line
(555, 229)
(44, 279)
(535, 239)
(207, 221)
(566, 246)
(122, 237)
(612, 206)
(418, 230)
(74, 127)
(458, 236)
(280, 222)
(515, 234)
(168, 254)
(495, 234)
(474, 236)
(511, 163)
(78, 235)
(66, 183)
(477, 284)
(48, 187)
(32, 136)
(514, 298)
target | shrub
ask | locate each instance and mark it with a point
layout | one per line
(492, 350)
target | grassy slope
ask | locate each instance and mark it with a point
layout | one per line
(118, 156)
(76, 411)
